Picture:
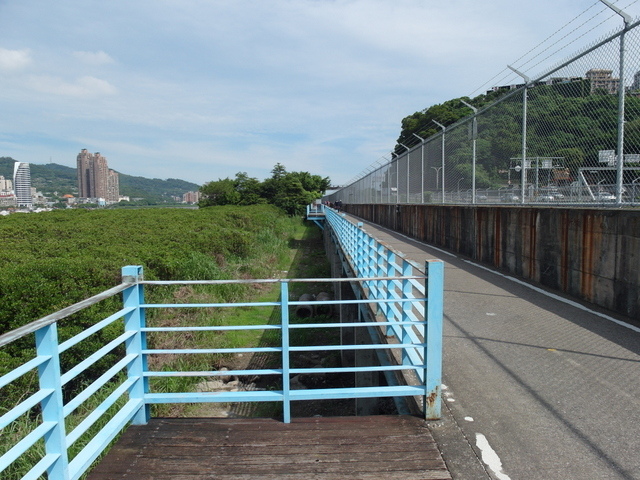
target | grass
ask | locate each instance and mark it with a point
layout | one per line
(263, 252)
(299, 256)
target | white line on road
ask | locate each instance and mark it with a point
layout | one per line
(490, 457)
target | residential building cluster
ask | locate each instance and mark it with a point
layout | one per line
(600, 80)
(97, 184)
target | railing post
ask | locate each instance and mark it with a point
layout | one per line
(49, 377)
(134, 297)
(391, 272)
(381, 272)
(284, 325)
(406, 307)
(434, 314)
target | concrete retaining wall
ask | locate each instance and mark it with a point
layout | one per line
(590, 254)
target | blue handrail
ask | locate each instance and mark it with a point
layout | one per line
(392, 288)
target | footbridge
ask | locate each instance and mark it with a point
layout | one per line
(67, 415)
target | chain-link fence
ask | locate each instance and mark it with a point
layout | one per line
(572, 135)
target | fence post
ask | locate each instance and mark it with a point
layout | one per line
(284, 325)
(135, 320)
(434, 313)
(49, 378)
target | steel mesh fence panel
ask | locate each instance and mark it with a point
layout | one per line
(416, 175)
(458, 160)
(631, 147)
(556, 138)
(403, 184)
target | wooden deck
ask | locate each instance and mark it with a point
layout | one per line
(320, 448)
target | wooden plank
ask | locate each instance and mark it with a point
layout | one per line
(426, 475)
(389, 447)
(239, 450)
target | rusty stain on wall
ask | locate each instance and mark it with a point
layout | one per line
(568, 242)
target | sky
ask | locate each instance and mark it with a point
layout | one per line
(203, 89)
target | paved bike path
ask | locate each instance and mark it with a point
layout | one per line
(535, 387)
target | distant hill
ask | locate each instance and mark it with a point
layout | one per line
(52, 178)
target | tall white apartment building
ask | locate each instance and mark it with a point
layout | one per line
(22, 184)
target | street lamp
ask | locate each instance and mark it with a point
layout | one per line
(437, 169)
(444, 129)
(474, 136)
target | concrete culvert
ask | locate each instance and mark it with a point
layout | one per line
(323, 309)
(305, 311)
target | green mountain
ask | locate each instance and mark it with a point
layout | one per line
(53, 178)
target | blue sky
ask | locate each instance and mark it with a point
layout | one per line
(201, 90)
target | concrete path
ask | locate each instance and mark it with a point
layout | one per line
(536, 387)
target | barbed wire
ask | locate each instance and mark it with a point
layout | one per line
(504, 79)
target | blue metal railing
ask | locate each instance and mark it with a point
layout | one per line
(315, 210)
(394, 289)
(395, 278)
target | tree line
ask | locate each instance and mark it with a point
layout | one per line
(566, 120)
(290, 191)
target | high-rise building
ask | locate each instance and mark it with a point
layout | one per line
(113, 186)
(5, 185)
(95, 180)
(22, 184)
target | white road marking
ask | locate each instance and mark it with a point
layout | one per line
(490, 457)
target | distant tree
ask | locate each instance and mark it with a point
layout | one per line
(292, 197)
(220, 192)
(249, 189)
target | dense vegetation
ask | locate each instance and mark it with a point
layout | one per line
(55, 180)
(55, 259)
(290, 191)
(563, 120)
(52, 260)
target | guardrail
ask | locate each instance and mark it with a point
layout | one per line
(125, 387)
(395, 278)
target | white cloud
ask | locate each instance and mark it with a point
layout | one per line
(94, 58)
(14, 60)
(83, 87)
(212, 88)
